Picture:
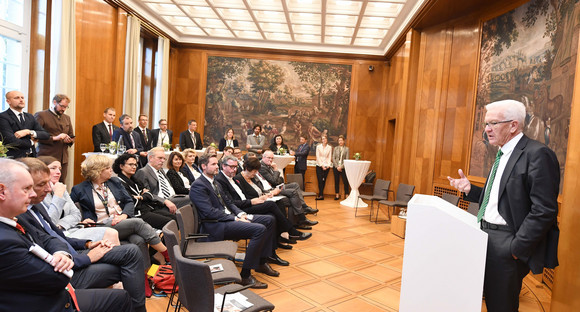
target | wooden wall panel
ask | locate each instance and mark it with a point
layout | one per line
(100, 44)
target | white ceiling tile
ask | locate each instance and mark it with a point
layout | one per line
(191, 31)
(278, 36)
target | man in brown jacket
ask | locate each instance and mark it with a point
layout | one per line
(59, 126)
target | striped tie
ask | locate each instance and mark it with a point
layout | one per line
(488, 189)
(163, 184)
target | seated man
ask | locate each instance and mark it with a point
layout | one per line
(96, 264)
(256, 205)
(27, 282)
(233, 223)
(153, 178)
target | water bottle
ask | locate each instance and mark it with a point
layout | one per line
(120, 145)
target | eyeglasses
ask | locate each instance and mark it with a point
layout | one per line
(232, 166)
(493, 124)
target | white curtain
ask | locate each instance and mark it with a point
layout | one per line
(63, 62)
(162, 90)
(132, 85)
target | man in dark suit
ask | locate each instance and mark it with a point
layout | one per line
(103, 131)
(19, 128)
(301, 154)
(518, 206)
(131, 139)
(27, 282)
(233, 223)
(145, 133)
(162, 135)
(162, 191)
(190, 138)
(96, 264)
(61, 131)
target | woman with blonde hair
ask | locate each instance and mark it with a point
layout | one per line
(229, 139)
(190, 169)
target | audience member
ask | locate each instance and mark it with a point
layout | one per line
(233, 223)
(338, 156)
(162, 135)
(177, 180)
(144, 132)
(301, 154)
(19, 129)
(27, 282)
(131, 139)
(103, 131)
(190, 169)
(229, 139)
(61, 131)
(278, 144)
(323, 165)
(190, 138)
(255, 142)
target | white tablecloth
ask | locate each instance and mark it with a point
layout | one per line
(114, 156)
(356, 171)
(201, 151)
(282, 161)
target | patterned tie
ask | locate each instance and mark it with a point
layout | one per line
(132, 139)
(163, 184)
(488, 189)
(193, 139)
(145, 136)
(21, 116)
(217, 192)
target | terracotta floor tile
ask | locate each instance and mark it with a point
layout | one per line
(286, 301)
(373, 255)
(321, 292)
(353, 282)
(345, 245)
(321, 251)
(321, 268)
(391, 250)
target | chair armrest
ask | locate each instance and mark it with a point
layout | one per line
(196, 236)
(232, 292)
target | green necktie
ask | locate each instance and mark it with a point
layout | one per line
(488, 189)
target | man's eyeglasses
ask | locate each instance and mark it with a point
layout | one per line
(232, 166)
(493, 124)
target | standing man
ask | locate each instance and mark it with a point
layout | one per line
(190, 138)
(19, 128)
(144, 132)
(301, 154)
(255, 142)
(103, 131)
(60, 128)
(162, 135)
(131, 139)
(518, 206)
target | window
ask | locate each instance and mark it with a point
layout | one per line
(14, 46)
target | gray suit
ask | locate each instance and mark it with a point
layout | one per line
(148, 177)
(256, 143)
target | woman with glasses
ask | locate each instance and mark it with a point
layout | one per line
(146, 207)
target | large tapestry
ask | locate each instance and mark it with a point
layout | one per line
(528, 54)
(287, 98)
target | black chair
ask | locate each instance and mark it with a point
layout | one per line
(380, 192)
(297, 177)
(404, 194)
(197, 292)
(452, 199)
(473, 208)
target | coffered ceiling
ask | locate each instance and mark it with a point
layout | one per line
(336, 26)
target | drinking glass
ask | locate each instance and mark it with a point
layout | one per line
(103, 147)
(112, 149)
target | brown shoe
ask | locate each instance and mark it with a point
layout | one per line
(251, 280)
(267, 269)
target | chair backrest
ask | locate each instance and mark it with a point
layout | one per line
(187, 223)
(381, 187)
(454, 200)
(196, 290)
(473, 208)
(170, 232)
(405, 192)
(295, 177)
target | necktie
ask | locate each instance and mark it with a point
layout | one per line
(21, 117)
(132, 140)
(488, 189)
(144, 136)
(193, 139)
(111, 132)
(163, 185)
(51, 232)
(217, 192)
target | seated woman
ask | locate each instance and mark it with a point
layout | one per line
(177, 180)
(253, 189)
(65, 214)
(150, 210)
(278, 144)
(190, 169)
(105, 200)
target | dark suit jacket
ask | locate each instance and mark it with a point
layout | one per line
(81, 260)
(301, 154)
(188, 174)
(528, 193)
(222, 144)
(272, 176)
(155, 136)
(176, 182)
(146, 145)
(83, 194)
(209, 207)
(185, 140)
(229, 189)
(54, 126)
(127, 140)
(29, 283)
(9, 124)
(101, 135)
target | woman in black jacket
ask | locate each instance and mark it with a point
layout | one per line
(145, 206)
(177, 180)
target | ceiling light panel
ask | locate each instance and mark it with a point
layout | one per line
(219, 32)
(337, 40)
(367, 42)
(210, 23)
(305, 18)
(376, 21)
(383, 9)
(201, 12)
(158, 1)
(245, 34)
(235, 14)
(266, 5)
(195, 31)
(306, 29)
(165, 9)
(278, 36)
(234, 4)
(274, 27)
(178, 20)
(339, 31)
(371, 33)
(242, 25)
(307, 38)
(270, 16)
(312, 6)
(191, 2)
(343, 7)
(341, 20)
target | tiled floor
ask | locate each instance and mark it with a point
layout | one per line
(349, 264)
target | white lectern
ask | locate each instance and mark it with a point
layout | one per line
(444, 260)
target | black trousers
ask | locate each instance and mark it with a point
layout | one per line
(302, 172)
(503, 274)
(157, 218)
(268, 207)
(337, 175)
(321, 174)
